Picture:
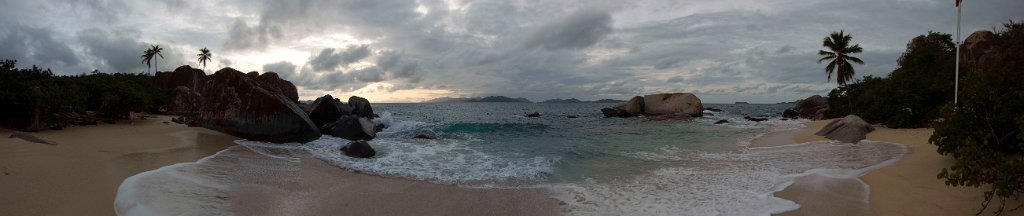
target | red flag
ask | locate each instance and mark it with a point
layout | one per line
(958, 2)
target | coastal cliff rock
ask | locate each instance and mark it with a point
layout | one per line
(358, 149)
(327, 109)
(633, 107)
(812, 108)
(673, 103)
(351, 127)
(790, 113)
(194, 79)
(850, 129)
(271, 81)
(237, 104)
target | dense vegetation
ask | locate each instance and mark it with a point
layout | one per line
(23, 92)
(985, 132)
(911, 95)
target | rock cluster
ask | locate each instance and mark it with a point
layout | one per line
(658, 107)
(264, 107)
(812, 108)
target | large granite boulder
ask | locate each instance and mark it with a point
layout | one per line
(327, 109)
(194, 79)
(975, 46)
(272, 81)
(790, 113)
(850, 129)
(673, 103)
(613, 112)
(358, 149)
(351, 127)
(241, 106)
(812, 108)
(635, 106)
(360, 107)
(184, 101)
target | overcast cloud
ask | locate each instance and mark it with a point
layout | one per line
(413, 50)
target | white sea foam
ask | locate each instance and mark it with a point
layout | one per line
(180, 189)
(736, 183)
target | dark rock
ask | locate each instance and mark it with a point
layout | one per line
(811, 108)
(184, 101)
(571, 116)
(424, 136)
(975, 46)
(241, 106)
(755, 119)
(379, 127)
(325, 110)
(33, 121)
(273, 82)
(360, 107)
(723, 121)
(351, 127)
(358, 149)
(681, 116)
(533, 114)
(613, 112)
(790, 113)
(850, 129)
(194, 79)
(713, 109)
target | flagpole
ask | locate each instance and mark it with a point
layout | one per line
(956, 82)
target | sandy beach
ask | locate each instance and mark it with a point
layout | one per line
(80, 174)
(909, 187)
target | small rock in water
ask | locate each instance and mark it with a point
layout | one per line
(712, 109)
(755, 119)
(572, 116)
(358, 149)
(723, 121)
(533, 115)
(380, 127)
(424, 136)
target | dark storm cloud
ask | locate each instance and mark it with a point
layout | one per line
(34, 46)
(284, 69)
(114, 52)
(241, 36)
(330, 58)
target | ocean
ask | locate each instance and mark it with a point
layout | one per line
(592, 165)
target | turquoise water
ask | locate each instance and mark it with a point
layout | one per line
(593, 165)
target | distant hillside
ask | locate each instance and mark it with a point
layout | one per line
(570, 100)
(489, 99)
(608, 101)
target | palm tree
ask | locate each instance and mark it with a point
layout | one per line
(147, 57)
(156, 52)
(839, 52)
(204, 56)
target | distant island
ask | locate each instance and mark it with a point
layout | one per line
(517, 99)
(489, 99)
(741, 102)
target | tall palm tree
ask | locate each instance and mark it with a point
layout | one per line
(156, 52)
(839, 51)
(147, 57)
(204, 56)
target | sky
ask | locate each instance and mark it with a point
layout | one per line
(761, 51)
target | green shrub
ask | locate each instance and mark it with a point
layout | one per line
(984, 131)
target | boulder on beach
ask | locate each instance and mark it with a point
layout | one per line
(673, 103)
(361, 107)
(239, 105)
(850, 129)
(790, 113)
(812, 108)
(271, 81)
(194, 79)
(327, 109)
(184, 101)
(351, 127)
(358, 149)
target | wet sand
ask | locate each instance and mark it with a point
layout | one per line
(317, 188)
(909, 187)
(80, 174)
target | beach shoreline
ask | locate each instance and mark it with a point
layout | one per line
(907, 187)
(80, 174)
